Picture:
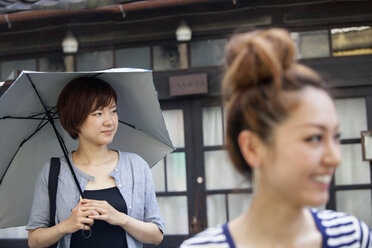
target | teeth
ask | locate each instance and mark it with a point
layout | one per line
(322, 178)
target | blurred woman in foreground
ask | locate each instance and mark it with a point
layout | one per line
(282, 127)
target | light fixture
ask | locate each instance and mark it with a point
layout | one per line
(183, 32)
(70, 44)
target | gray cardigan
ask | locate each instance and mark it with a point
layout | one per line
(133, 178)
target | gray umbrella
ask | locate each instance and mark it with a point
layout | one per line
(30, 132)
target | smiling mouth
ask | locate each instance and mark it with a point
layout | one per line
(324, 179)
(108, 131)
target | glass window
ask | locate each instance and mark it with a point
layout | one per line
(138, 57)
(220, 173)
(357, 203)
(94, 61)
(216, 210)
(351, 41)
(352, 115)
(14, 233)
(314, 44)
(207, 52)
(238, 204)
(176, 171)
(212, 126)
(52, 64)
(352, 169)
(174, 121)
(9, 69)
(170, 57)
(158, 175)
(174, 211)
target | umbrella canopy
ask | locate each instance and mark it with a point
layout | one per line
(28, 138)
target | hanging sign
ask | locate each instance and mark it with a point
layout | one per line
(188, 84)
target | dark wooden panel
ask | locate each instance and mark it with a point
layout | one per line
(13, 243)
(346, 71)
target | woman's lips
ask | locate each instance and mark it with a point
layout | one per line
(324, 179)
(107, 132)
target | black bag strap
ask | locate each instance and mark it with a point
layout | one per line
(55, 166)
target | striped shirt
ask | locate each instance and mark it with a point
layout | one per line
(337, 229)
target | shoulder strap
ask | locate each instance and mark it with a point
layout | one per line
(55, 166)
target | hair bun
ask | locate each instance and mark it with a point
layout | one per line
(258, 57)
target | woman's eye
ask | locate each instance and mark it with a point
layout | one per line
(338, 137)
(314, 139)
(97, 114)
(115, 111)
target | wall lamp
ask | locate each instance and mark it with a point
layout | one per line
(183, 32)
(70, 44)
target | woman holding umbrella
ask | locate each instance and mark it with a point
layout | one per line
(282, 127)
(120, 207)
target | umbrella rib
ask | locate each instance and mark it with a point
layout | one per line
(22, 118)
(60, 140)
(31, 117)
(129, 125)
(19, 147)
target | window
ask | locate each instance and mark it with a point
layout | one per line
(9, 69)
(14, 233)
(52, 64)
(170, 57)
(138, 57)
(221, 179)
(351, 41)
(94, 61)
(353, 176)
(314, 44)
(207, 53)
(170, 178)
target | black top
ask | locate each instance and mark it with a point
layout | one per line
(103, 234)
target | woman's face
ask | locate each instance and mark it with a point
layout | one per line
(298, 166)
(100, 126)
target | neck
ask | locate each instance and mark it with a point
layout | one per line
(90, 154)
(272, 219)
(271, 215)
(272, 223)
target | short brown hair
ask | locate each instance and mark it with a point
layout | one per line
(261, 67)
(79, 98)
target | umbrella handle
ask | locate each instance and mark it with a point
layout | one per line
(87, 236)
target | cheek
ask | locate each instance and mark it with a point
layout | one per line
(307, 157)
(295, 160)
(116, 121)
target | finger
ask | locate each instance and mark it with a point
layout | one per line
(90, 201)
(95, 208)
(89, 213)
(78, 205)
(97, 217)
(85, 228)
(79, 226)
(86, 221)
(90, 205)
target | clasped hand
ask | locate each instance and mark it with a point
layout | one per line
(86, 211)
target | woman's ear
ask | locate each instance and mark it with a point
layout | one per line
(250, 146)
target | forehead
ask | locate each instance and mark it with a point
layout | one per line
(103, 102)
(314, 107)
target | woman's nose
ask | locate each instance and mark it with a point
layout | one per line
(332, 156)
(108, 118)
